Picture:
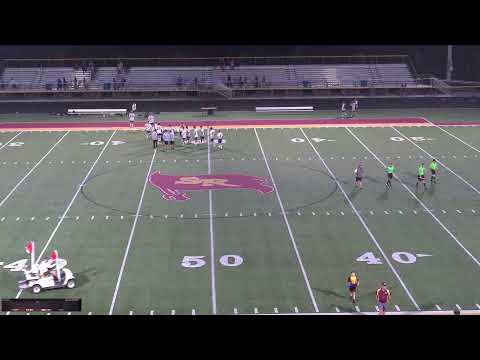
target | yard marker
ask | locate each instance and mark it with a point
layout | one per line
(130, 238)
(400, 212)
(3, 219)
(357, 308)
(397, 308)
(295, 309)
(313, 213)
(89, 313)
(15, 163)
(151, 312)
(478, 306)
(84, 162)
(473, 211)
(458, 307)
(298, 213)
(69, 313)
(78, 217)
(193, 311)
(28, 162)
(255, 310)
(195, 216)
(151, 216)
(458, 211)
(32, 218)
(337, 309)
(415, 212)
(275, 310)
(121, 217)
(287, 223)
(269, 214)
(47, 218)
(181, 216)
(254, 159)
(328, 213)
(376, 308)
(92, 217)
(443, 211)
(166, 216)
(254, 214)
(371, 212)
(341, 212)
(212, 235)
(372, 237)
(241, 214)
(173, 312)
(235, 311)
(465, 156)
(420, 201)
(32, 169)
(9, 141)
(130, 312)
(386, 212)
(442, 164)
(17, 219)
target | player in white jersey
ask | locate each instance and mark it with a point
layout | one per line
(134, 107)
(148, 130)
(344, 109)
(220, 139)
(131, 118)
(151, 119)
(212, 135)
(196, 135)
(202, 135)
(184, 135)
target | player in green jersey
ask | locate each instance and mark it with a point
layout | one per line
(390, 171)
(421, 176)
(433, 170)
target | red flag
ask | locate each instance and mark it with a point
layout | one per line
(29, 247)
(54, 255)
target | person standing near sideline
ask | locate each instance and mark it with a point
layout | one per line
(383, 298)
(344, 109)
(421, 176)
(352, 283)
(131, 118)
(390, 171)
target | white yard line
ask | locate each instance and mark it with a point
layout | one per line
(300, 262)
(9, 141)
(438, 161)
(120, 274)
(31, 170)
(428, 312)
(365, 226)
(70, 204)
(212, 237)
(452, 135)
(418, 200)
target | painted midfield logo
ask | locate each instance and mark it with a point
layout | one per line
(174, 187)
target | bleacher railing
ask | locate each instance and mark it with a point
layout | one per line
(214, 61)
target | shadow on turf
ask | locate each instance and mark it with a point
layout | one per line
(84, 277)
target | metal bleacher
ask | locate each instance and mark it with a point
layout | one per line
(275, 75)
(167, 77)
(22, 77)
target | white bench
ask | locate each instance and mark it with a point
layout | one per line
(284, 109)
(208, 110)
(96, 111)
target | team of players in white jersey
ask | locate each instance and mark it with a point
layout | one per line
(195, 135)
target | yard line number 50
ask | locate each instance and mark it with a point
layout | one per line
(198, 261)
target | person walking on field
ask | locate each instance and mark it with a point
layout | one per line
(384, 296)
(352, 283)
(433, 170)
(359, 175)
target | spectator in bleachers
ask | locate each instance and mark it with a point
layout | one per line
(264, 81)
(240, 81)
(59, 84)
(64, 83)
(75, 82)
(12, 84)
(232, 64)
(245, 81)
(179, 80)
(114, 84)
(123, 82)
(195, 82)
(256, 81)
(229, 81)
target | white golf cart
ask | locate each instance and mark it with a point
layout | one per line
(48, 274)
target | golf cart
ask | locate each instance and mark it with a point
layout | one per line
(48, 274)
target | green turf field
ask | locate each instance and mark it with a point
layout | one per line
(239, 251)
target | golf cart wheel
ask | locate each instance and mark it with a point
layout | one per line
(71, 284)
(36, 289)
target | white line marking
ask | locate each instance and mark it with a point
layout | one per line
(423, 255)
(151, 312)
(341, 212)
(275, 310)
(172, 312)
(477, 305)
(235, 311)
(473, 211)
(295, 309)
(442, 164)
(90, 313)
(386, 212)
(438, 307)
(400, 212)
(357, 308)
(32, 169)
(9, 141)
(365, 226)
(288, 225)
(452, 135)
(193, 311)
(328, 213)
(107, 217)
(397, 308)
(298, 213)
(69, 313)
(419, 201)
(121, 217)
(255, 310)
(130, 238)
(443, 211)
(1, 263)
(313, 213)
(17, 219)
(47, 218)
(92, 217)
(371, 212)
(78, 217)
(32, 218)
(376, 308)
(458, 211)
(337, 309)
(241, 214)
(458, 307)
(130, 312)
(3, 219)
(212, 237)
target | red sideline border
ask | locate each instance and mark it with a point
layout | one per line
(243, 123)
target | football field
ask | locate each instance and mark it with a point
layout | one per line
(271, 224)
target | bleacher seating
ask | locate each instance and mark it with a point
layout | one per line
(23, 77)
(50, 75)
(167, 77)
(274, 75)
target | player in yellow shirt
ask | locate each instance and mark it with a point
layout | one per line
(352, 283)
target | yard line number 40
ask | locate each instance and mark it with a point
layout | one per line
(402, 257)
(198, 261)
